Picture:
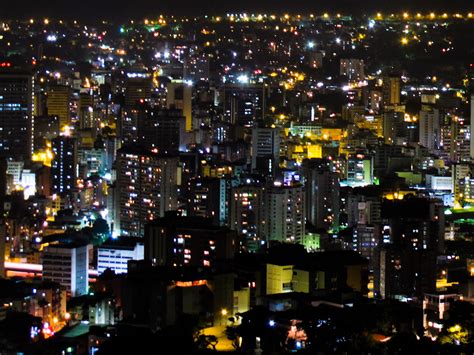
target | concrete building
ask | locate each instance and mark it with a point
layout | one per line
(180, 241)
(68, 265)
(284, 213)
(353, 69)
(147, 187)
(265, 150)
(114, 254)
(16, 114)
(57, 101)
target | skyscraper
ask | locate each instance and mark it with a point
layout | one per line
(429, 128)
(57, 101)
(179, 96)
(63, 168)
(16, 109)
(209, 197)
(265, 150)
(391, 90)
(246, 210)
(138, 86)
(147, 187)
(284, 213)
(322, 193)
(159, 128)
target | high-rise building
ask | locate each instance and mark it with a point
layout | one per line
(322, 193)
(57, 101)
(3, 235)
(353, 69)
(412, 234)
(472, 123)
(391, 90)
(63, 168)
(209, 197)
(360, 170)
(405, 273)
(180, 96)
(196, 68)
(393, 124)
(68, 265)
(429, 128)
(159, 129)
(243, 104)
(246, 212)
(46, 128)
(138, 87)
(365, 241)
(16, 109)
(147, 187)
(87, 118)
(179, 241)
(284, 213)
(265, 150)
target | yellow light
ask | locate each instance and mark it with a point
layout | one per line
(405, 15)
(432, 15)
(379, 15)
(326, 15)
(46, 21)
(67, 316)
(224, 312)
(55, 319)
(404, 40)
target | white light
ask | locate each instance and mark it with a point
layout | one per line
(338, 40)
(310, 44)
(52, 38)
(271, 323)
(104, 213)
(243, 79)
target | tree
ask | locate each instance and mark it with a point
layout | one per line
(100, 230)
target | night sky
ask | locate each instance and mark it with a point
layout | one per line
(139, 8)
